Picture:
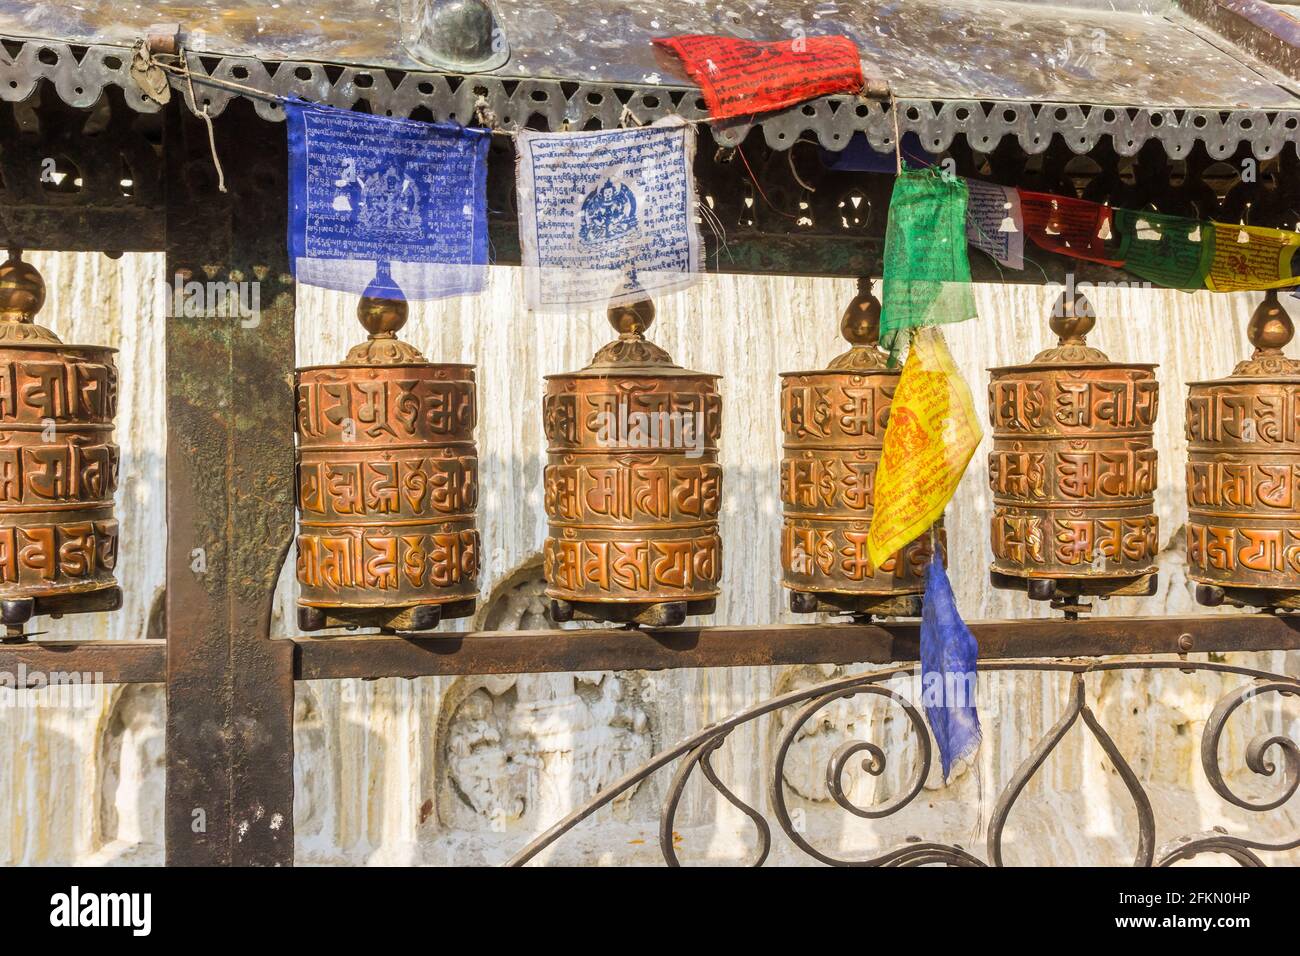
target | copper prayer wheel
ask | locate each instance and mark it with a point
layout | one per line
(833, 421)
(387, 485)
(1243, 474)
(632, 484)
(58, 463)
(1073, 470)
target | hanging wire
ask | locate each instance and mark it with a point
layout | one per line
(898, 139)
(485, 115)
(759, 187)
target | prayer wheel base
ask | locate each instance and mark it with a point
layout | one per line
(1049, 589)
(15, 612)
(399, 620)
(660, 614)
(1212, 595)
(858, 605)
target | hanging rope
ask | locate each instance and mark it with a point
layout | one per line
(207, 118)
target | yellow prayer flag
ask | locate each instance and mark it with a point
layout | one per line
(933, 431)
(1251, 257)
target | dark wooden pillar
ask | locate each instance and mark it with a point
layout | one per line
(229, 494)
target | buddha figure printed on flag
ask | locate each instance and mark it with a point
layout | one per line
(608, 211)
(390, 200)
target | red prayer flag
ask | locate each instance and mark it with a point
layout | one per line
(1071, 227)
(744, 77)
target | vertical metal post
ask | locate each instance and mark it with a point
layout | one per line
(229, 493)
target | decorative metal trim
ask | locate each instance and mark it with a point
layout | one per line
(79, 74)
(1270, 755)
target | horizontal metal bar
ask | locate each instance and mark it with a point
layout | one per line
(591, 649)
(85, 228)
(113, 662)
(586, 649)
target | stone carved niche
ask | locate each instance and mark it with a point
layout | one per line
(130, 775)
(521, 751)
(129, 767)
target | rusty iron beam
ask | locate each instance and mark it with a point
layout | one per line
(593, 649)
(229, 502)
(113, 662)
(83, 228)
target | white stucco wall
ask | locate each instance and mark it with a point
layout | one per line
(465, 770)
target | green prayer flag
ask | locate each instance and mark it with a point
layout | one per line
(1171, 251)
(927, 271)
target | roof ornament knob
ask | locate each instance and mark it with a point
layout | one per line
(462, 36)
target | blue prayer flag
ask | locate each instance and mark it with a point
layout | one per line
(948, 655)
(388, 207)
(859, 156)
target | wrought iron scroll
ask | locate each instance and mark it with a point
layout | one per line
(1270, 755)
(80, 75)
(1258, 761)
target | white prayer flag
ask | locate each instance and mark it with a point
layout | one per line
(607, 217)
(994, 223)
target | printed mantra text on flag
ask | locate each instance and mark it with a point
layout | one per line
(744, 77)
(396, 207)
(1068, 226)
(932, 432)
(607, 217)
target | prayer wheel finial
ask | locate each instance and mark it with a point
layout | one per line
(22, 294)
(383, 319)
(22, 290)
(1072, 319)
(631, 349)
(1270, 330)
(632, 319)
(860, 326)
